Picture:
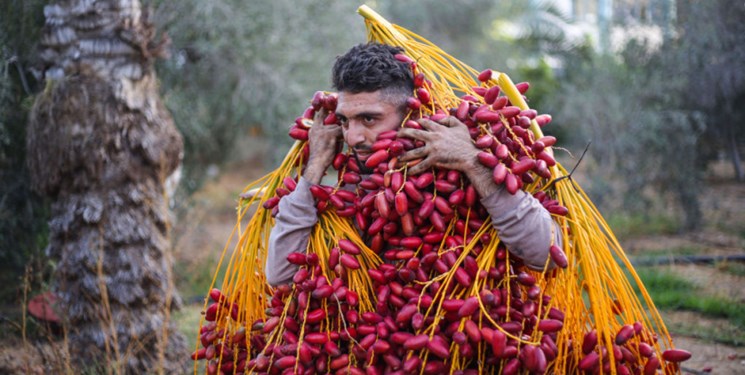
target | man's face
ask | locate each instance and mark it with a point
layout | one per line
(363, 116)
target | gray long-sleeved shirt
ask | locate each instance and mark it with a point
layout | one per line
(523, 224)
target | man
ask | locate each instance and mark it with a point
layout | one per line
(373, 87)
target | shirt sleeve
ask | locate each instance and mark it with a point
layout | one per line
(523, 225)
(292, 227)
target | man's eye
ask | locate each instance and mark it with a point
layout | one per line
(368, 119)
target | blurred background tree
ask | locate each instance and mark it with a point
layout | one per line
(658, 106)
(246, 70)
(711, 54)
(23, 213)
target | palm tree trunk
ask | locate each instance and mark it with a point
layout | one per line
(102, 145)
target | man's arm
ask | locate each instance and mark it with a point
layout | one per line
(297, 211)
(524, 225)
(292, 226)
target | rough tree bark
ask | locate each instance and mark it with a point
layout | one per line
(103, 146)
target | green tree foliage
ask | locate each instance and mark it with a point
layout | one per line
(23, 214)
(240, 68)
(632, 107)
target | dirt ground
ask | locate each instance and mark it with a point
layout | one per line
(723, 206)
(711, 358)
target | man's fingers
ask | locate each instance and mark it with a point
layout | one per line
(329, 133)
(451, 121)
(338, 132)
(413, 154)
(428, 124)
(320, 116)
(414, 133)
(421, 167)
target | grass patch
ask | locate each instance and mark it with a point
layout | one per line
(187, 321)
(732, 337)
(672, 292)
(193, 278)
(652, 254)
(625, 225)
(732, 227)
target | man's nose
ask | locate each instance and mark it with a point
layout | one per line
(355, 135)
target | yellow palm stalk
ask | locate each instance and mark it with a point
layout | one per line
(594, 291)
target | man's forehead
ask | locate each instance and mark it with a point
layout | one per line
(365, 96)
(352, 103)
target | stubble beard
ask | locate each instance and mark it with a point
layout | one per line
(364, 170)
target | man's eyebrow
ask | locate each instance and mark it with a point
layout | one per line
(374, 114)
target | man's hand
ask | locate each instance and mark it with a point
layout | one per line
(323, 141)
(448, 145)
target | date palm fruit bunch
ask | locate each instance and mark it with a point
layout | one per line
(404, 273)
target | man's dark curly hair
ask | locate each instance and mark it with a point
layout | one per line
(372, 67)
